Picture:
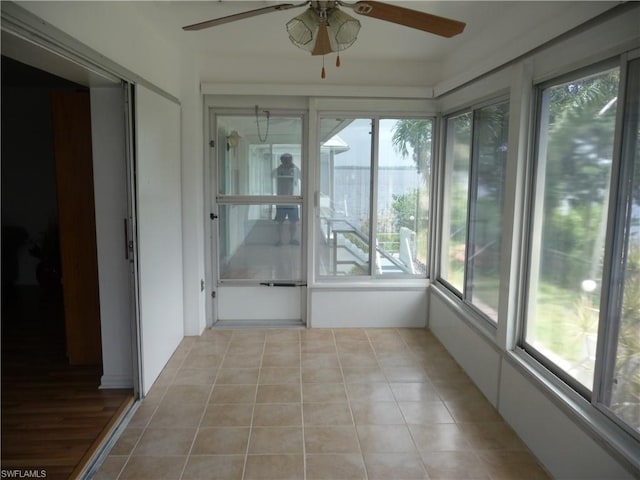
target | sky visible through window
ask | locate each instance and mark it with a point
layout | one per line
(359, 140)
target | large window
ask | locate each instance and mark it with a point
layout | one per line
(475, 156)
(374, 197)
(583, 311)
(575, 150)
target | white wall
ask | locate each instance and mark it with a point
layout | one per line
(478, 357)
(258, 304)
(342, 307)
(302, 70)
(110, 191)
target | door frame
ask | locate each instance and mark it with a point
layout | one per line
(215, 106)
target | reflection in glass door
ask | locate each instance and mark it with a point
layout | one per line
(260, 217)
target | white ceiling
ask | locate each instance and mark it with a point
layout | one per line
(512, 27)
(257, 50)
(266, 34)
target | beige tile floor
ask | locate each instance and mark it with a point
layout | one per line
(388, 404)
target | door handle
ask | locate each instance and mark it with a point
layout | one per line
(128, 240)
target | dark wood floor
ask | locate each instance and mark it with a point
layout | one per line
(53, 415)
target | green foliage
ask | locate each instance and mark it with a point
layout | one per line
(492, 134)
(458, 213)
(568, 242)
(625, 399)
(580, 143)
(555, 325)
(414, 137)
(580, 135)
(631, 298)
(404, 210)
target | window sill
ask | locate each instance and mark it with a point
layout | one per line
(371, 284)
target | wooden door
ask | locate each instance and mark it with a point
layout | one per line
(71, 116)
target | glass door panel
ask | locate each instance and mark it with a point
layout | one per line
(248, 156)
(256, 245)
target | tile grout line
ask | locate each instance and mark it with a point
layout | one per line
(304, 445)
(424, 465)
(253, 410)
(204, 412)
(346, 392)
(375, 355)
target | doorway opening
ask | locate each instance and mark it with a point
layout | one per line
(48, 391)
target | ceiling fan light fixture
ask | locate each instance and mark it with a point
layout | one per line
(321, 34)
(343, 29)
(302, 30)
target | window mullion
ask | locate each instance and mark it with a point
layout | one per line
(434, 255)
(373, 198)
(471, 209)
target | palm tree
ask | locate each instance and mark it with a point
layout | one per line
(414, 137)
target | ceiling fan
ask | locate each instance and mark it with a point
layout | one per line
(324, 28)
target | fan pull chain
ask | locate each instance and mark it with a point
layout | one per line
(338, 60)
(323, 74)
(262, 140)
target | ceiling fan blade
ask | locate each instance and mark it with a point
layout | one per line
(426, 22)
(242, 15)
